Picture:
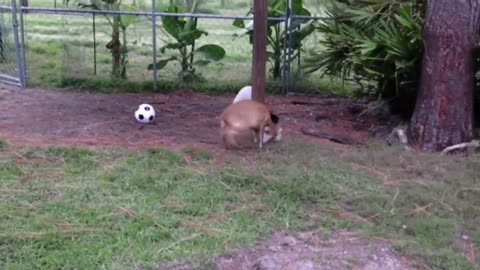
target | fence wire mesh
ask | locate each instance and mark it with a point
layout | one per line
(8, 64)
(204, 43)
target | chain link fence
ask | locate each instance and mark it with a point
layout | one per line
(200, 44)
(11, 64)
(7, 46)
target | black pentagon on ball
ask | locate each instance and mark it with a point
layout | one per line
(140, 116)
(150, 118)
(147, 108)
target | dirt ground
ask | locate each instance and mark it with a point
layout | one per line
(184, 118)
(312, 250)
(315, 251)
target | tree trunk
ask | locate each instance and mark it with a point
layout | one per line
(2, 55)
(115, 47)
(123, 54)
(444, 108)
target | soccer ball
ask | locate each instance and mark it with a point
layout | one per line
(145, 114)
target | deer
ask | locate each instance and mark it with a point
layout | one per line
(247, 116)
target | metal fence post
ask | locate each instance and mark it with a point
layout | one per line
(289, 50)
(16, 41)
(285, 47)
(23, 79)
(154, 43)
(94, 44)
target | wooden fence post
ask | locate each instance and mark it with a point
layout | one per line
(260, 15)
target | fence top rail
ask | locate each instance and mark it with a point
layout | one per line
(5, 7)
(310, 17)
(140, 13)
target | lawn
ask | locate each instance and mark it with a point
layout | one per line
(114, 208)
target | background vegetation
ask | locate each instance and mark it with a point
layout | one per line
(363, 48)
(61, 51)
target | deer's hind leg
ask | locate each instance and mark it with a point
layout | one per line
(260, 134)
(228, 137)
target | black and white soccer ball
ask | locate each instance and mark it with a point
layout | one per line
(145, 114)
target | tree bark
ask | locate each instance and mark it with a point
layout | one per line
(443, 113)
(115, 47)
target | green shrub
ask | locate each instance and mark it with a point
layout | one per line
(377, 44)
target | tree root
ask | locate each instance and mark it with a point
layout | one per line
(332, 137)
(472, 145)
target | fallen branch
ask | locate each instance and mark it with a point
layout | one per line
(465, 189)
(332, 137)
(209, 142)
(322, 117)
(472, 144)
(371, 108)
(322, 103)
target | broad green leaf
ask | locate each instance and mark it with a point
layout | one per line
(297, 7)
(190, 36)
(201, 62)
(277, 7)
(127, 20)
(175, 9)
(173, 25)
(239, 23)
(170, 46)
(161, 63)
(304, 32)
(300, 35)
(211, 52)
(191, 24)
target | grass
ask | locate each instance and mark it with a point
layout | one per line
(113, 208)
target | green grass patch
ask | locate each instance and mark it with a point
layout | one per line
(50, 48)
(76, 208)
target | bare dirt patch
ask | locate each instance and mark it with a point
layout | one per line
(184, 118)
(314, 251)
(308, 251)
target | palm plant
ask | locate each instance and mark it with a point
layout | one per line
(377, 43)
